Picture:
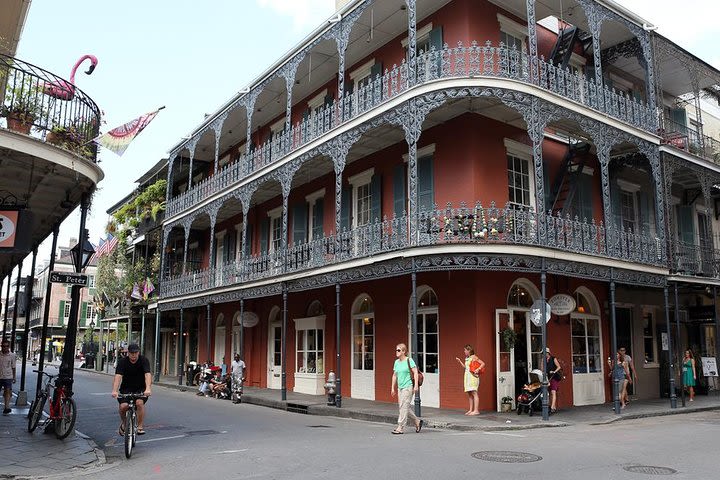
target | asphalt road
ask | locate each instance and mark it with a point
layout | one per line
(191, 437)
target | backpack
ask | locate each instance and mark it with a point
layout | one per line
(421, 377)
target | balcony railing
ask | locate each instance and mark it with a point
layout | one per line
(686, 138)
(469, 225)
(458, 62)
(40, 104)
(695, 260)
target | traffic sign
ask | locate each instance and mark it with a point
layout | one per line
(69, 277)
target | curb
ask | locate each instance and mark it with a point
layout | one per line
(663, 413)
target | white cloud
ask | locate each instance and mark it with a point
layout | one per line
(304, 13)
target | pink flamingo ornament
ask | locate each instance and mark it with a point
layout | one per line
(63, 90)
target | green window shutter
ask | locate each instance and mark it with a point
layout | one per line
(425, 194)
(679, 117)
(299, 213)
(582, 203)
(345, 208)
(685, 224)
(61, 315)
(646, 213)
(399, 180)
(349, 86)
(232, 245)
(264, 235)
(616, 203)
(318, 230)
(376, 199)
(436, 38)
(83, 314)
(376, 71)
(248, 241)
(329, 99)
(590, 73)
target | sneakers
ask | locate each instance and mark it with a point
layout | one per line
(7, 411)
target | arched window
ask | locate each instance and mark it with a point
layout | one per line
(220, 340)
(428, 331)
(363, 333)
(586, 334)
(315, 309)
(522, 294)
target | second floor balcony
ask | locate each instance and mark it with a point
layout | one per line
(465, 226)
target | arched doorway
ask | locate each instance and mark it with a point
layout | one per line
(274, 379)
(587, 365)
(362, 377)
(220, 340)
(428, 353)
(518, 342)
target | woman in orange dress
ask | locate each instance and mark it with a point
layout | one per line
(471, 381)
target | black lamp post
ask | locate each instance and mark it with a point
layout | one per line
(81, 254)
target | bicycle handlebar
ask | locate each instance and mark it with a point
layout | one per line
(130, 396)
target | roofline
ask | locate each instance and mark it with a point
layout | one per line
(315, 34)
(119, 204)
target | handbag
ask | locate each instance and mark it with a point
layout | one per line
(412, 378)
(474, 365)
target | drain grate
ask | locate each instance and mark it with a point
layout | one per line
(297, 408)
(197, 433)
(319, 426)
(507, 457)
(649, 470)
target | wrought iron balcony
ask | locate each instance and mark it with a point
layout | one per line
(473, 61)
(695, 260)
(463, 225)
(47, 107)
(687, 138)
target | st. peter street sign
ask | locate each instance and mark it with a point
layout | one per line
(69, 278)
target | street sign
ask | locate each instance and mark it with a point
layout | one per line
(69, 277)
(536, 312)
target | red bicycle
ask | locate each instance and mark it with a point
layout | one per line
(62, 408)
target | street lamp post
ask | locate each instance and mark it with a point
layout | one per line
(81, 254)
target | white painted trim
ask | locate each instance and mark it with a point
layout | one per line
(318, 100)
(511, 27)
(517, 149)
(275, 213)
(425, 151)
(628, 186)
(313, 197)
(420, 35)
(362, 71)
(310, 323)
(361, 178)
(220, 235)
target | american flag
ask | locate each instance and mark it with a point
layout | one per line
(105, 247)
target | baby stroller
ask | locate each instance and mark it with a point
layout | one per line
(531, 397)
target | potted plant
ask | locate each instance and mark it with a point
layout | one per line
(74, 137)
(508, 337)
(23, 105)
(506, 404)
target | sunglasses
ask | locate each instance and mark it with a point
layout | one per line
(398, 349)
(123, 353)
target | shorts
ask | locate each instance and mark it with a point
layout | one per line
(6, 383)
(121, 401)
(554, 384)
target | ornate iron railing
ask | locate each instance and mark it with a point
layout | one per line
(457, 62)
(695, 260)
(689, 139)
(47, 107)
(469, 225)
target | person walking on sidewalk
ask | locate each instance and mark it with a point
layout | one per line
(552, 368)
(620, 374)
(403, 368)
(132, 375)
(7, 373)
(471, 380)
(689, 373)
(632, 378)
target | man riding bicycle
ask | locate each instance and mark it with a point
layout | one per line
(132, 375)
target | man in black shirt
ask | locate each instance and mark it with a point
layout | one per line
(132, 375)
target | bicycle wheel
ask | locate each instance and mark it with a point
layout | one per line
(129, 432)
(66, 422)
(36, 412)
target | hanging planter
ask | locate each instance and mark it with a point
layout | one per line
(508, 337)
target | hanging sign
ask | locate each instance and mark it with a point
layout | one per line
(709, 366)
(536, 312)
(8, 227)
(250, 319)
(562, 304)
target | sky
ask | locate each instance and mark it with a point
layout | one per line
(192, 57)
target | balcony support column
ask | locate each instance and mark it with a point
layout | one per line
(191, 148)
(13, 332)
(7, 302)
(283, 390)
(673, 396)
(168, 187)
(185, 245)
(29, 282)
(241, 350)
(212, 266)
(208, 328)
(603, 146)
(532, 40)
(161, 278)
(412, 41)
(46, 310)
(717, 323)
(181, 347)
(217, 127)
(536, 122)
(337, 149)
(249, 103)
(698, 110)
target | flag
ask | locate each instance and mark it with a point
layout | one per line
(118, 139)
(136, 292)
(148, 288)
(106, 246)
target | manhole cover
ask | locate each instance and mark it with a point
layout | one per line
(649, 470)
(193, 433)
(507, 457)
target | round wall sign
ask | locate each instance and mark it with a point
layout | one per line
(250, 319)
(562, 304)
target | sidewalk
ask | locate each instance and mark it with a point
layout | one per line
(454, 419)
(43, 455)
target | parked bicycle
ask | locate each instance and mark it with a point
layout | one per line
(131, 422)
(62, 408)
